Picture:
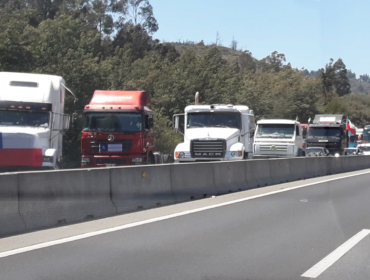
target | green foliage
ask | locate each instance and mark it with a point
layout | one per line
(335, 80)
(166, 138)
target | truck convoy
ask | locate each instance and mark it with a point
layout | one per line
(32, 121)
(278, 138)
(215, 133)
(117, 130)
(328, 131)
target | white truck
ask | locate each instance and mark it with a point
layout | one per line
(278, 138)
(32, 121)
(215, 133)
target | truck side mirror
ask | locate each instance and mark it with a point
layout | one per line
(66, 121)
(76, 121)
(177, 123)
(151, 122)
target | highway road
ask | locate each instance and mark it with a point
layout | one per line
(313, 229)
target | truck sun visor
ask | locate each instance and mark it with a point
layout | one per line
(102, 97)
(31, 106)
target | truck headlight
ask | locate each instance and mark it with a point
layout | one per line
(237, 154)
(180, 155)
(85, 161)
(137, 160)
(47, 159)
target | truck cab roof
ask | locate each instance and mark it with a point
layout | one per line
(277, 121)
(24, 87)
(104, 100)
(219, 107)
(330, 119)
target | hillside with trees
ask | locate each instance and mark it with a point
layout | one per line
(103, 44)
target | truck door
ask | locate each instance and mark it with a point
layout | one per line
(298, 139)
(148, 133)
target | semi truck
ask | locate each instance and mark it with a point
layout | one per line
(278, 138)
(328, 131)
(214, 133)
(32, 121)
(118, 130)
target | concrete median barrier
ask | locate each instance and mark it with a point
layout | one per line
(363, 161)
(258, 173)
(52, 198)
(141, 187)
(298, 168)
(315, 167)
(192, 181)
(10, 219)
(229, 176)
(280, 171)
(336, 164)
(345, 164)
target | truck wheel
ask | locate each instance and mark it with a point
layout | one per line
(59, 165)
(151, 159)
(300, 153)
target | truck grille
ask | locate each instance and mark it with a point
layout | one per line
(126, 144)
(273, 148)
(117, 161)
(208, 148)
(323, 144)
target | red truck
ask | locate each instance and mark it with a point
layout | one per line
(118, 130)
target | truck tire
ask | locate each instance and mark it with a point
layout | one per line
(245, 155)
(151, 159)
(301, 153)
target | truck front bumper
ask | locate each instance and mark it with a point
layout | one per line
(228, 157)
(88, 161)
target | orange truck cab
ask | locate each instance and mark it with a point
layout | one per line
(117, 130)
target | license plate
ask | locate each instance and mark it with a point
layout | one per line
(110, 147)
(110, 164)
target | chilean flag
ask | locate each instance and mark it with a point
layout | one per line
(17, 149)
(351, 127)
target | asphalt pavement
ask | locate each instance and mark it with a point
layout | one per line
(278, 236)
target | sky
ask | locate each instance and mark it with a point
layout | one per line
(308, 32)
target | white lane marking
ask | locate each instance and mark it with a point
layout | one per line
(153, 220)
(330, 259)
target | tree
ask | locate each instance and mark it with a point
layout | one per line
(140, 12)
(218, 41)
(274, 62)
(234, 44)
(365, 78)
(351, 75)
(48, 9)
(247, 62)
(334, 79)
(341, 81)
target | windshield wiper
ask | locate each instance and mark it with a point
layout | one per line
(219, 125)
(277, 135)
(198, 124)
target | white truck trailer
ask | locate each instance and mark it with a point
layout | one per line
(215, 133)
(278, 138)
(32, 121)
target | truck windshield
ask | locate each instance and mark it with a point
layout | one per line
(113, 122)
(324, 132)
(366, 135)
(275, 131)
(228, 120)
(24, 118)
